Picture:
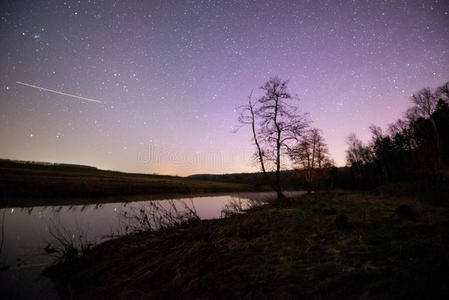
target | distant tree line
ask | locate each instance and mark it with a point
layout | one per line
(290, 179)
(14, 163)
(415, 147)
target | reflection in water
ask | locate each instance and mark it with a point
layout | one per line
(30, 228)
(30, 234)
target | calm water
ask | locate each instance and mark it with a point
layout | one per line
(26, 232)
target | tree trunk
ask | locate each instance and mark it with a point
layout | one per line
(259, 150)
(437, 144)
(280, 197)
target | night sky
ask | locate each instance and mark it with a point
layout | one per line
(169, 75)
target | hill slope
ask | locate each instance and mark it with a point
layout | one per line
(31, 180)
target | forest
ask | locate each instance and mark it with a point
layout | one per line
(413, 148)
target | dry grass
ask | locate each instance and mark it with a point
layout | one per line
(326, 245)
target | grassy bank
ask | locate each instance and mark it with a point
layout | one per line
(39, 184)
(326, 245)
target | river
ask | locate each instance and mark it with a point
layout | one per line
(29, 235)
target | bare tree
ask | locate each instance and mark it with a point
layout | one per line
(424, 102)
(311, 155)
(357, 153)
(276, 126)
(248, 116)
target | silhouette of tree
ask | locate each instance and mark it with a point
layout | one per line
(359, 157)
(442, 92)
(441, 117)
(357, 153)
(247, 116)
(416, 147)
(276, 126)
(312, 156)
(424, 102)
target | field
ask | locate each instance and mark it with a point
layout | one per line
(44, 184)
(343, 245)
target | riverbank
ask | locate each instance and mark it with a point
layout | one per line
(32, 184)
(326, 245)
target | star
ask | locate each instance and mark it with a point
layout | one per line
(177, 71)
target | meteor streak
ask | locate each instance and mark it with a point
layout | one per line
(57, 92)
